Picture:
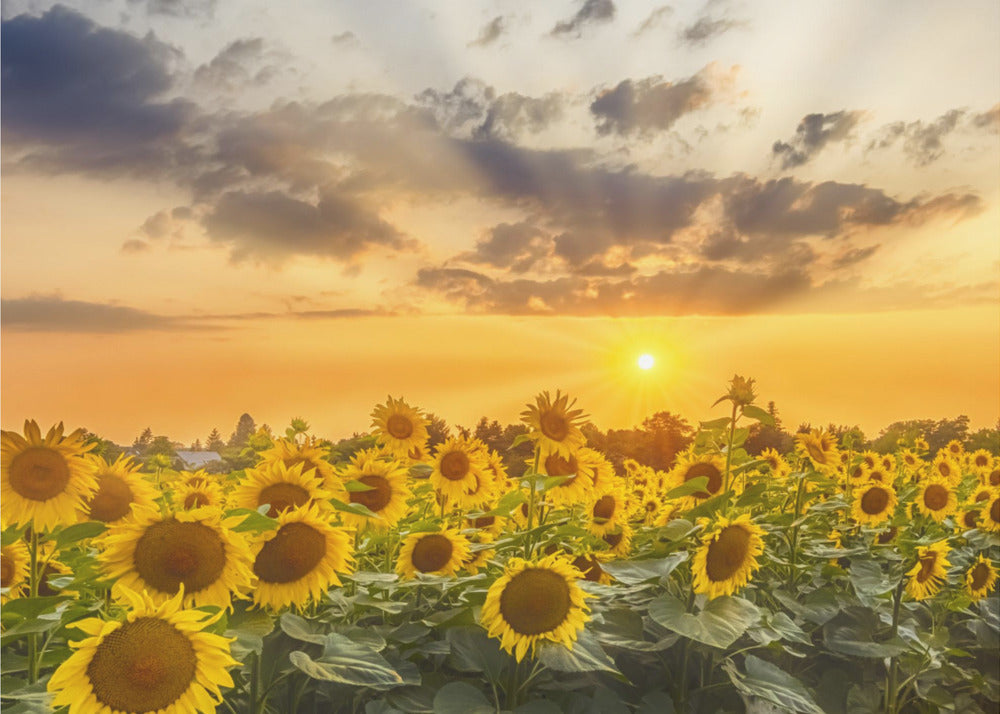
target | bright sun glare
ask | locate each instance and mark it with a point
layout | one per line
(646, 361)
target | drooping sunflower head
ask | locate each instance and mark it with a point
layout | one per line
(936, 499)
(980, 578)
(990, 518)
(209, 493)
(690, 467)
(619, 541)
(14, 564)
(590, 566)
(727, 557)
(874, 503)
(778, 467)
(888, 463)
(196, 549)
(158, 660)
(460, 468)
(299, 561)
(944, 467)
(385, 493)
(399, 427)
(607, 512)
(554, 425)
(44, 480)
(820, 448)
(929, 571)
(119, 485)
(921, 445)
(274, 484)
(535, 601)
(441, 552)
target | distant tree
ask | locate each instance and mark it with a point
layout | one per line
(215, 442)
(437, 429)
(938, 433)
(142, 442)
(987, 438)
(343, 450)
(162, 445)
(669, 434)
(765, 436)
(196, 446)
(107, 450)
(244, 430)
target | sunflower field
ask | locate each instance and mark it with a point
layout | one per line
(421, 579)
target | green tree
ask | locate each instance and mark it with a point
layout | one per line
(669, 434)
(437, 430)
(244, 430)
(215, 442)
(142, 442)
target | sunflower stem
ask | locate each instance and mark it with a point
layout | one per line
(729, 457)
(33, 591)
(685, 656)
(891, 693)
(531, 504)
(254, 681)
(795, 533)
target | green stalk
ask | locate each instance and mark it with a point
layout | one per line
(254, 681)
(685, 656)
(795, 533)
(531, 504)
(729, 456)
(891, 694)
(33, 576)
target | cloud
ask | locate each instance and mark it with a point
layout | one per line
(653, 20)
(988, 120)
(706, 28)
(592, 12)
(813, 133)
(344, 38)
(84, 96)
(652, 104)
(239, 63)
(515, 246)
(473, 108)
(54, 314)
(923, 142)
(490, 32)
(854, 256)
(270, 226)
(177, 8)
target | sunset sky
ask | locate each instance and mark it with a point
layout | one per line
(212, 207)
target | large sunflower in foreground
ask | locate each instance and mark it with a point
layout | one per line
(299, 561)
(727, 557)
(43, 480)
(929, 572)
(820, 448)
(399, 427)
(279, 486)
(874, 503)
(535, 601)
(460, 468)
(159, 553)
(936, 499)
(157, 660)
(15, 561)
(119, 485)
(386, 494)
(554, 426)
(441, 552)
(980, 578)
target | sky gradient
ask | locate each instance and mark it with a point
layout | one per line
(210, 208)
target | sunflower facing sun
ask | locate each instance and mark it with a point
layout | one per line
(119, 486)
(727, 557)
(399, 427)
(554, 425)
(279, 486)
(434, 553)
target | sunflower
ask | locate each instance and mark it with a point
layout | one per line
(887, 463)
(858, 473)
(945, 468)
(493, 525)
(911, 460)
(980, 578)
(920, 444)
(299, 561)
(992, 478)
(981, 461)
(554, 425)
(590, 567)
(386, 495)
(619, 541)
(775, 462)
(193, 478)
(534, 601)
(603, 474)
(880, 475)
(280, 487)
(399, 427)
(727, 557)
(990, 520)
(607, 512)
(311, 456)
(157, 660)
(936, 499)
(869, 459)
(478, 558)
(954, 448)
(15, 561)
(191, 496)
(929, 571)
(887, 536)
(691, 467)
(43, 481)
(119, 485)
(579, 484)
(820, 448)
(651, 510)
(160, 553)
(874, 503)
(441, 552)
(459, 469)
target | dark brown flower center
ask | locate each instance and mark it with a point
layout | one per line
(455, 465)
(143, 666)
(927, 563)
(995, 510)
(980, 576)
(590, 568)
(196, 499)
(282, 496)
(705, 469)
(293, 553)
(995, 477)
(728, 553)
(399, 426)
(944, 469)
(970, 519)
(936, 497)
(981, 460)
(7, 570)
(874, 501)
(554, 425)
(604, 508)
(613, 539)
(482, 521)
(556, 465)
(39, 473)
(171, 552)
(432, 553)
(887, 536)
(377, 497)
(535, 600)
(112, 500)
(816, 453)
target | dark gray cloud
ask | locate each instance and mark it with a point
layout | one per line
(239, 63)
(707, 28)
(988, 120)
(514, 246)
(344, 38)
(923, 142)
(592, 12)
(270, 226)
(490, 32)
(813, 133)
(80, 95)
(177, 8)
(653, 104)
(854, 256)
(473, 108)
(655, 19)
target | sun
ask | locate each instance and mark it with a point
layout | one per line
(646, 361)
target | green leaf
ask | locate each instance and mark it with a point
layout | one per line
(722, 621)
(348, 662)
(779, 627)
(301, 629)
(677, 529)
(355, 508)
(518, 440)
(11, 535)
(868, 578)
(507, 503)
(253, 521)
(586, 655)
(688, 487)
(79, 532)
(761, 415)
(856, 640)
(633, 572)
(473, 651)
(553, 481)
(461, 698)
(765, 681)
(720, 423)
(538, 706)
(354, 485)
(414, 700)
(656, 703)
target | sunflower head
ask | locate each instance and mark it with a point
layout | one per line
(944, 467)
(936, 499)
(119, 486)
(921, 445)
(208, 493)
(310, 455)
(990, 518)
(460, 472)
(280, 487)
(441, 552)
(554, 425)
(44, 481)
(14, 565)
(535, 601)
(954, 448)
(874, 503)
(690, 467)
(385, 493)
(980, 461)
(619, 541)
(727, 557)
(820, 448)
(158, 659)
(929, 571)
(399, 427)
(980, 578)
